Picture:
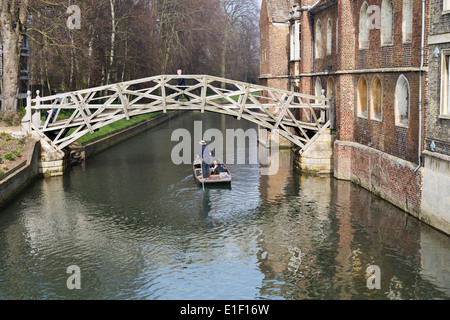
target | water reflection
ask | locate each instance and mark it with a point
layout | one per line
(140, 228)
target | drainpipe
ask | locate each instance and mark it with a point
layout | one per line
(422, 54)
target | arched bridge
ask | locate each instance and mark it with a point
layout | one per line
(63, 118)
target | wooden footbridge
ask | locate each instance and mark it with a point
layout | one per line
(63, 118)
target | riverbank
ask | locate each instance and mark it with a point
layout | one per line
(25, 169)
(23, 173)
(92, 145)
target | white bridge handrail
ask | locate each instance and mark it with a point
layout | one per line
(67, 116)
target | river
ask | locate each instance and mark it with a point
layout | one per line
(138, 227)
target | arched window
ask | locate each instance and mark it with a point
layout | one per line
(387, 22)
(363, 27)
(318, 87)
(329, 36)
(402, 101)
(318, 39)
(362, 97)
(377, 97)
(407, 20)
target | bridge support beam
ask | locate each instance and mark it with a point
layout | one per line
(266, 138)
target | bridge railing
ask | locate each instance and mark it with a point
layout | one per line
(65, 117)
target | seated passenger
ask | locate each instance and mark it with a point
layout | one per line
(218, 168)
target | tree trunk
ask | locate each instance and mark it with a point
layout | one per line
(12, 18)
(223, 66)
(113, 40)
(10, 87)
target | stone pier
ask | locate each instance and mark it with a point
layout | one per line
(318, 158)
(53, 162)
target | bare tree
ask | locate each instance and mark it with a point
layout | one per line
(235, 13)
(13, 17)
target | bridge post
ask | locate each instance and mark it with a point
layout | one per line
(163, 93)
(26, 121)
(204, 89)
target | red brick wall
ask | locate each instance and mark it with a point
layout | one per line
(385, 135)
(390, 177)
(275, 42)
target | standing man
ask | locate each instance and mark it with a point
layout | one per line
(182, 86)
(205, 156)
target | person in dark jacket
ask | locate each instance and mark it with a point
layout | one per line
(207, 161)
(182, 86)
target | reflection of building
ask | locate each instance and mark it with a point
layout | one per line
(24, 70)
(367, 56)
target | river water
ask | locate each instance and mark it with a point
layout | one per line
(138, 227)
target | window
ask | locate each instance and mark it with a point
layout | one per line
(363, 27)
(387, 19)
(377, 96)
(292, 49)
(362, 97)
(402, 101)
(329, 36)
(445, 84)
(318, 40)
(318, 87)
(407, 20)
(295, 41)
(446, 5)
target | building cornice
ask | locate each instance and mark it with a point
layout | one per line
(360, 71)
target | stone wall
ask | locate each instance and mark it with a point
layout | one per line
(318, 158)
(390, 177)
(20, 179)
(436, 190)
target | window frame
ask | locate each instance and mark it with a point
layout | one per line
(384, 6)
(359, 110)
(318, 47)
(407, 38)
(444, 110)
(295, 42)
(329, 46)
(398, 123)
(363, 27)
(372, 116)
(446, 7)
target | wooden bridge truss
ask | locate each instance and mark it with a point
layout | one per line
(63, 118)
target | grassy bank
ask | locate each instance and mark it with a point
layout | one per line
(116, 127)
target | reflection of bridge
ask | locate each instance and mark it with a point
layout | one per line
(297, 117)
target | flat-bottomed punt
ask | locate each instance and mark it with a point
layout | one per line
(221, 178)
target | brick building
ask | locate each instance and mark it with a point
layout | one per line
(274, 26)
(372, 57)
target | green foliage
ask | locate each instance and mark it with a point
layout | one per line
(17, 154)
(9, 156)
(115, 127)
